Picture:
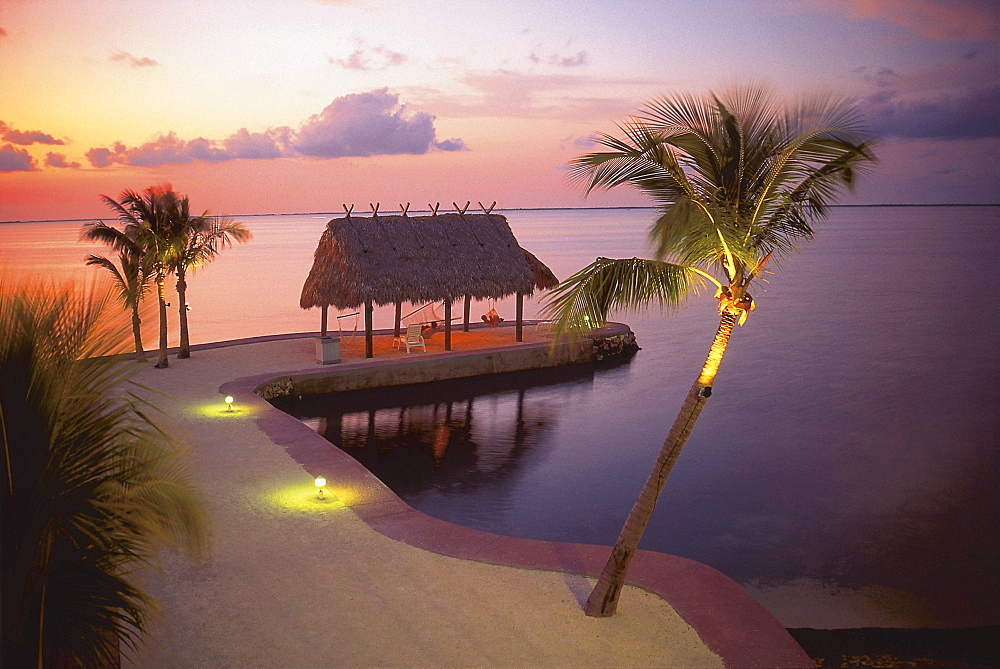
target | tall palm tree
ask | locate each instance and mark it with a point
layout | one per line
(157, 220)
(131, 274)
(204, 237)
(737, 179)
(89, 486)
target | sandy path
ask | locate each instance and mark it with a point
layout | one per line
(290, 581)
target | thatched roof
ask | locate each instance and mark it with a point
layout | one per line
(388, 259)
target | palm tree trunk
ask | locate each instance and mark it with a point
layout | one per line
(140, 355)
(184, 350)
(603, 600)
(161, 296)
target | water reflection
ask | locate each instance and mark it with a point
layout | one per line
(447, 437)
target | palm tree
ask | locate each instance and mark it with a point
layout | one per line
(157, 220)
(90, 487)
(131, 275)
(204, 237)
(737, 179)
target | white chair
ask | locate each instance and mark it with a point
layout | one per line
(411, 339)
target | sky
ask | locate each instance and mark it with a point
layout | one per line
(258, 106)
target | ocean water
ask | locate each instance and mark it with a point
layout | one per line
(845, 470)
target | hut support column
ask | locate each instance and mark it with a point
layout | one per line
(519, 330)
(468, 308)
(369, 348)
(447, 324)
(399, 317)
(322, 320)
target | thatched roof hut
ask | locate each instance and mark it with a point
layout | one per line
(387, 259)
(393, 259)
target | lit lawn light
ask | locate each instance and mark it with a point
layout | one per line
(320, 482)
(229, 401)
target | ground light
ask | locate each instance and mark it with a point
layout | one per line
(229, 401)
(320, 482)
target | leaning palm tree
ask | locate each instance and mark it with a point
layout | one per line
(203, 238)
(156, 219)
(131, 274)
(737, 179)
(89, 486)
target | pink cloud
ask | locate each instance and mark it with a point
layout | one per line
(59, 160)
(15, 160)
(365, 59)
(361, 124)
(26, 138)
(132, 61)
(946, 20)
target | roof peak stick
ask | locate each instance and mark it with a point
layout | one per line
(374, 208)
(348, 211)
(461, 210)
(405, 209)
(434, 209)
(485, 210)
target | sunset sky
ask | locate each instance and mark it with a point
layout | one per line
(260, 106)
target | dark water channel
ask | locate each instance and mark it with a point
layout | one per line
(846, 470)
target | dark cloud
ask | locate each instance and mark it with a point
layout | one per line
(132, 61)
(59, 160)
(361, 125)
(971, 115)
(26, 138)
(15, 160)
(882, 77)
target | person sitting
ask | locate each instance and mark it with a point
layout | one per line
(492, 318)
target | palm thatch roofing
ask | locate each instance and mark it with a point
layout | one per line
(389, 259)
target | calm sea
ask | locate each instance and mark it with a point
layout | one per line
(846, 470)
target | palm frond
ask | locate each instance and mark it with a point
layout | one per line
(736, 176)
(584, 300)
(90, 486)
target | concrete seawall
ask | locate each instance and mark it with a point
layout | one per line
(428, 367)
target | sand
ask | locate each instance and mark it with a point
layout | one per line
(292, 581)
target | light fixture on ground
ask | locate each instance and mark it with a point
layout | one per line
(229, 401)
(320, 482)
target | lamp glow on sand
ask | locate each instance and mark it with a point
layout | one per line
(227, 407)
(305, 498)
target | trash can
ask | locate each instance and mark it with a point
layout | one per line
(327, 350)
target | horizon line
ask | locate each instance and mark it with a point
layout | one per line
(393, 211)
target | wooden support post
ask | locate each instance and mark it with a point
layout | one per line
(399, 317)
(519, 329)
(447, 324)
(322, 320)
(369, 344)
(468, 308)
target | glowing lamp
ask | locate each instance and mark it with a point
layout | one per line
(229, 401)
(320, 482)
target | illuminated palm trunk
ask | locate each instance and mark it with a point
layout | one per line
(161, 296)
(185, 344)
(603, 601)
